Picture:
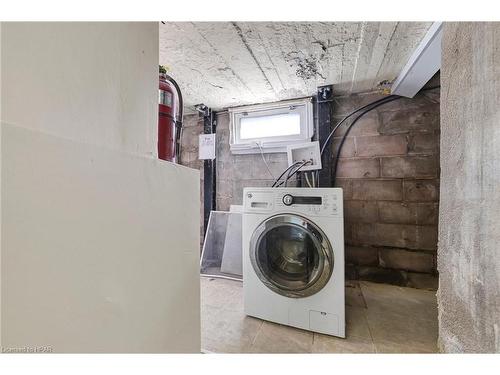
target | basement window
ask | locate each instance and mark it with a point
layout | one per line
(270, 127)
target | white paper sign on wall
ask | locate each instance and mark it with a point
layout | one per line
(207, 146)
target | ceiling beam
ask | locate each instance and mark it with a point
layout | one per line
(422, 65)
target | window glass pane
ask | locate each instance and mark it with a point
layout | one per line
(270, 126)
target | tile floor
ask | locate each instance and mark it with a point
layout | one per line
(380, 319)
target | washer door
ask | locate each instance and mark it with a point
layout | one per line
(291, 255)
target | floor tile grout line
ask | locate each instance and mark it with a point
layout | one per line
(366, 320)
(370, 332)
(377, 346)
(362, 295)
(257, 334)
(312, 344)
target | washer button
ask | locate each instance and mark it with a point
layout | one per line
(288, 200)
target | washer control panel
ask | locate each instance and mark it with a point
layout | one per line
(319, 201)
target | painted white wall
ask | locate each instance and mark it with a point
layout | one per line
(99, 247)
(91, 82)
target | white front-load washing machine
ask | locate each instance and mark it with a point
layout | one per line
(293, 257)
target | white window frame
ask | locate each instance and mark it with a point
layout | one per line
(275, 143)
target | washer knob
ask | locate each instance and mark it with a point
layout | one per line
(287, 200)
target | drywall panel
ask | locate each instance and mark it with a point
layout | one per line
(95, 82)
(100, 249)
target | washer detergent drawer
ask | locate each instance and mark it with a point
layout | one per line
(323, 322)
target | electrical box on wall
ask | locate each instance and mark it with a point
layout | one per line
(305, 152)
(206, 147)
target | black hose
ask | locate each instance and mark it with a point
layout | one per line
(290, 174)
(286, 170)
(178, 123)
(323, 148)
(370, 106)
(346, 117)
(294, 172)
(344, 137)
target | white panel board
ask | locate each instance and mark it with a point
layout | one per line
(94, 82)
(206, 147)
(100, 249)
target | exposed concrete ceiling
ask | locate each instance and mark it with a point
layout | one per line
(225, 64)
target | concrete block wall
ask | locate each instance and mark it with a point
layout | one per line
(192, 127)
(235, 172)
(389, 170)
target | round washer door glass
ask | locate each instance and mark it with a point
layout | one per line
(291, 256)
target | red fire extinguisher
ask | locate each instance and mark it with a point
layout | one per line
(170, 112)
